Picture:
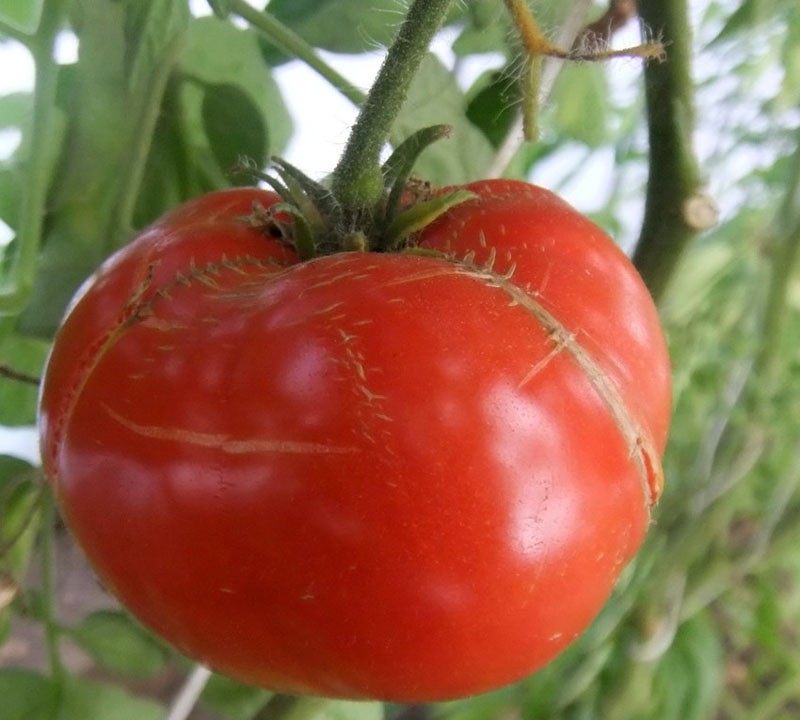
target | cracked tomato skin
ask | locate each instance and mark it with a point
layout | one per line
(396, 476)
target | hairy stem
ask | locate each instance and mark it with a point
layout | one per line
(674, 177)
(357, 179)
(515, 138)
(291, 43)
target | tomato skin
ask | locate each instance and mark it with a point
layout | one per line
(363, 476)
(573, 268)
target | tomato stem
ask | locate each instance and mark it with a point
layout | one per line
(357, 179)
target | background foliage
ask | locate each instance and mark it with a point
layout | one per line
(158, 107)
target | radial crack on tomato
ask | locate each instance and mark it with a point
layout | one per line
(641, 445)
(560, 341)
(209, 275)
(225, 443)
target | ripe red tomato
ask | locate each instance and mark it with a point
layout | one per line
(369, 475)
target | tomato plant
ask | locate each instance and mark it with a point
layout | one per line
(406, 475)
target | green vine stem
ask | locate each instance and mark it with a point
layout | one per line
(357, 179)
(292, 44)
(121, 225)
(676, 208)
(16, 289)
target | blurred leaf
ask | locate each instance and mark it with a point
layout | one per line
(493, 102)
(18, 399)
(10, 196)
(190, 155)
(344, 26)
(580, 97)
(19, 497)
(110, 97)
(119, 644)
(217, 52)
(234, 127)
(767, 631)
(15, 110)
(690, 287)
(435, 98)
(150, 31)
(485, 30)
(22, 14)
(19, 524)
(221, 103)
(233, 700)
(350, 710)
(743, 19)
(220, 8)
(27, 695)
(689, 676)
(84, 699)
(789, 94)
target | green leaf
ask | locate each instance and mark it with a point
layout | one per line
(493, 100)
(19, 499)
(23, 15)
(119, 644)
(233, 700)
(218, 53)
(10, 196)
(767, 630)
(220, 8)
(15, 110)
(580, 97)
(85, 700)
(19, 525)
(344, 26)
(222, 103)
(486, 30)
(689, 677)
(435, 98)
(111, 96)
(151, 30)
(171, 175)
(234, 127)
(743, 19)
(350, 710)
(18, 399)
(26, 695)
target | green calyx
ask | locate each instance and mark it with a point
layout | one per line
(315, 221)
